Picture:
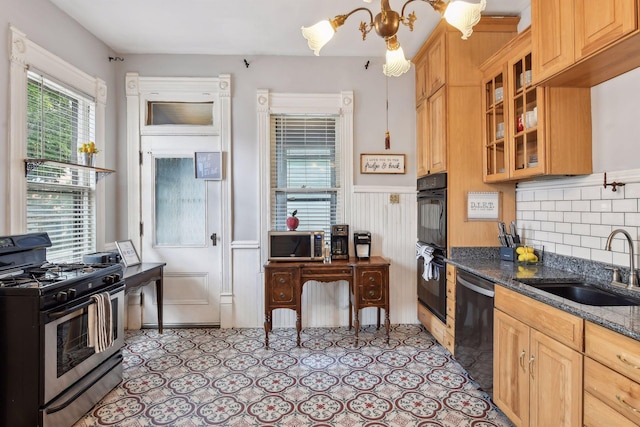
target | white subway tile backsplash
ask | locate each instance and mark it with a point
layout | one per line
(581, 229)
(581, 206)
(556, 216)
(590, 218)
(601, 206)
(590, 242)
(573, 216)
(624, 205)
(562, 227)
(632, 219)
(541, 195)
(571, 239)
(548, 205)
(632, 190)
(613, 218)
(563, 206)
(572, 194)
(590, 193)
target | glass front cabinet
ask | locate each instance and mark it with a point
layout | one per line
(530, 130)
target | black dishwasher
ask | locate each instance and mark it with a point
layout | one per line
(474, 328)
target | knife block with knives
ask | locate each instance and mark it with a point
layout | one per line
(508, 241)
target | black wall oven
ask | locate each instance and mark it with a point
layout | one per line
(432, 232)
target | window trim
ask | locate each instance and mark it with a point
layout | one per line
(24, 54)
(302, 103)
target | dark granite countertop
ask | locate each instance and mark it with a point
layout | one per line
(485, 262)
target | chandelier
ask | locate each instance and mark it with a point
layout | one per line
(460, 14)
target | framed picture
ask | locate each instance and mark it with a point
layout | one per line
(382, 163)
(483, 206)
(128, 253)
(208, 165)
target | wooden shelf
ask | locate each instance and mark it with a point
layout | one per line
(33, 164)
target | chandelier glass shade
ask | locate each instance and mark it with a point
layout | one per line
(460, 14)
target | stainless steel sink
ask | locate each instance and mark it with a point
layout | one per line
(581, 292)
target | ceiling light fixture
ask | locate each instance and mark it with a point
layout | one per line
(460, 14)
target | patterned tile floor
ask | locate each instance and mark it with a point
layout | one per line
(200, 377)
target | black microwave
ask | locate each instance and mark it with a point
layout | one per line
(296, 245)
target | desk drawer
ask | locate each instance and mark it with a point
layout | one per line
(281, 288)
(370, 286)
(321, 271)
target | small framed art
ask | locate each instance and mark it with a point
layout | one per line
(128, 253)
(382, 163)
(209, 165)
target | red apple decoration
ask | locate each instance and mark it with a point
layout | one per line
(292, 221)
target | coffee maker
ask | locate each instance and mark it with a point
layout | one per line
(340, 241)
(362, 244)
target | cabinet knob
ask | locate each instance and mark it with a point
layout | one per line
(281, 294)
(371, 279)
(371, 293)
(282, 280)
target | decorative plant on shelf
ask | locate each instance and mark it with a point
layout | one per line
(87, 152)
(293, 221)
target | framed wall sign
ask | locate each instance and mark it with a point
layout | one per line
(128, 253)
(382, 163)
(208, 165)
(483, 206)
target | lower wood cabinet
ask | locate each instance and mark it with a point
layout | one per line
(611, 378)
(536, 376)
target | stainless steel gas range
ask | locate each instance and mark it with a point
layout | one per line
(50, 375)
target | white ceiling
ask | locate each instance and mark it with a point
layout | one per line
(247, 27)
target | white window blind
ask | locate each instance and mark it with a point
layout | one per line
(60, 198)
(305, 175)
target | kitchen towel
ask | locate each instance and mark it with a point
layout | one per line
(100, 322)
(425, 251)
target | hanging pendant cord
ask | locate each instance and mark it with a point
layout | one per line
(387, 136)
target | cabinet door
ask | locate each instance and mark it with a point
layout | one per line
(599, 23)
(437, 132)
(495, 156)
(552, 28)
(421, 80)
(371, 287)
(555, 374)
(422, 162)
(281, 288)
(436, 75)
(527, 149)
(510, 367)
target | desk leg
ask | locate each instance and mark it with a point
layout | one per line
(159, 297)
(298, 323)
(378, 324)
(387, 323)
(356, 323)
(267, 328)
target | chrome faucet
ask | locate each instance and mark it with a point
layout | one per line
(632, 269)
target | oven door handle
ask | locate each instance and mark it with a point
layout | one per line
(58, 314)
(84, 389)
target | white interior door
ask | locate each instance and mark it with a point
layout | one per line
(180, 214)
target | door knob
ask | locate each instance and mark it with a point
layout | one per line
(214, 239)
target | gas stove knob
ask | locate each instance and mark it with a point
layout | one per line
(108, 280)
(71, 293)
(61, 296)
(116, 277)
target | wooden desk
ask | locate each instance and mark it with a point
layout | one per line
(368, 287)
(136, 276)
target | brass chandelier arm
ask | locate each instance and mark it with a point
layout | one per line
(438, 5)
(365, 28)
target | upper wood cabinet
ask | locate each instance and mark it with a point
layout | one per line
(436, 59)
(530, 130)
(421, 80)
(584, 42)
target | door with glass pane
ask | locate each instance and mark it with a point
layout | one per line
(181, 222)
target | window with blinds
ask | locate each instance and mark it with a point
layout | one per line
(305, 176)
(60, 198)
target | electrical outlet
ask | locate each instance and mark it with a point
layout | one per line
(394, 198)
